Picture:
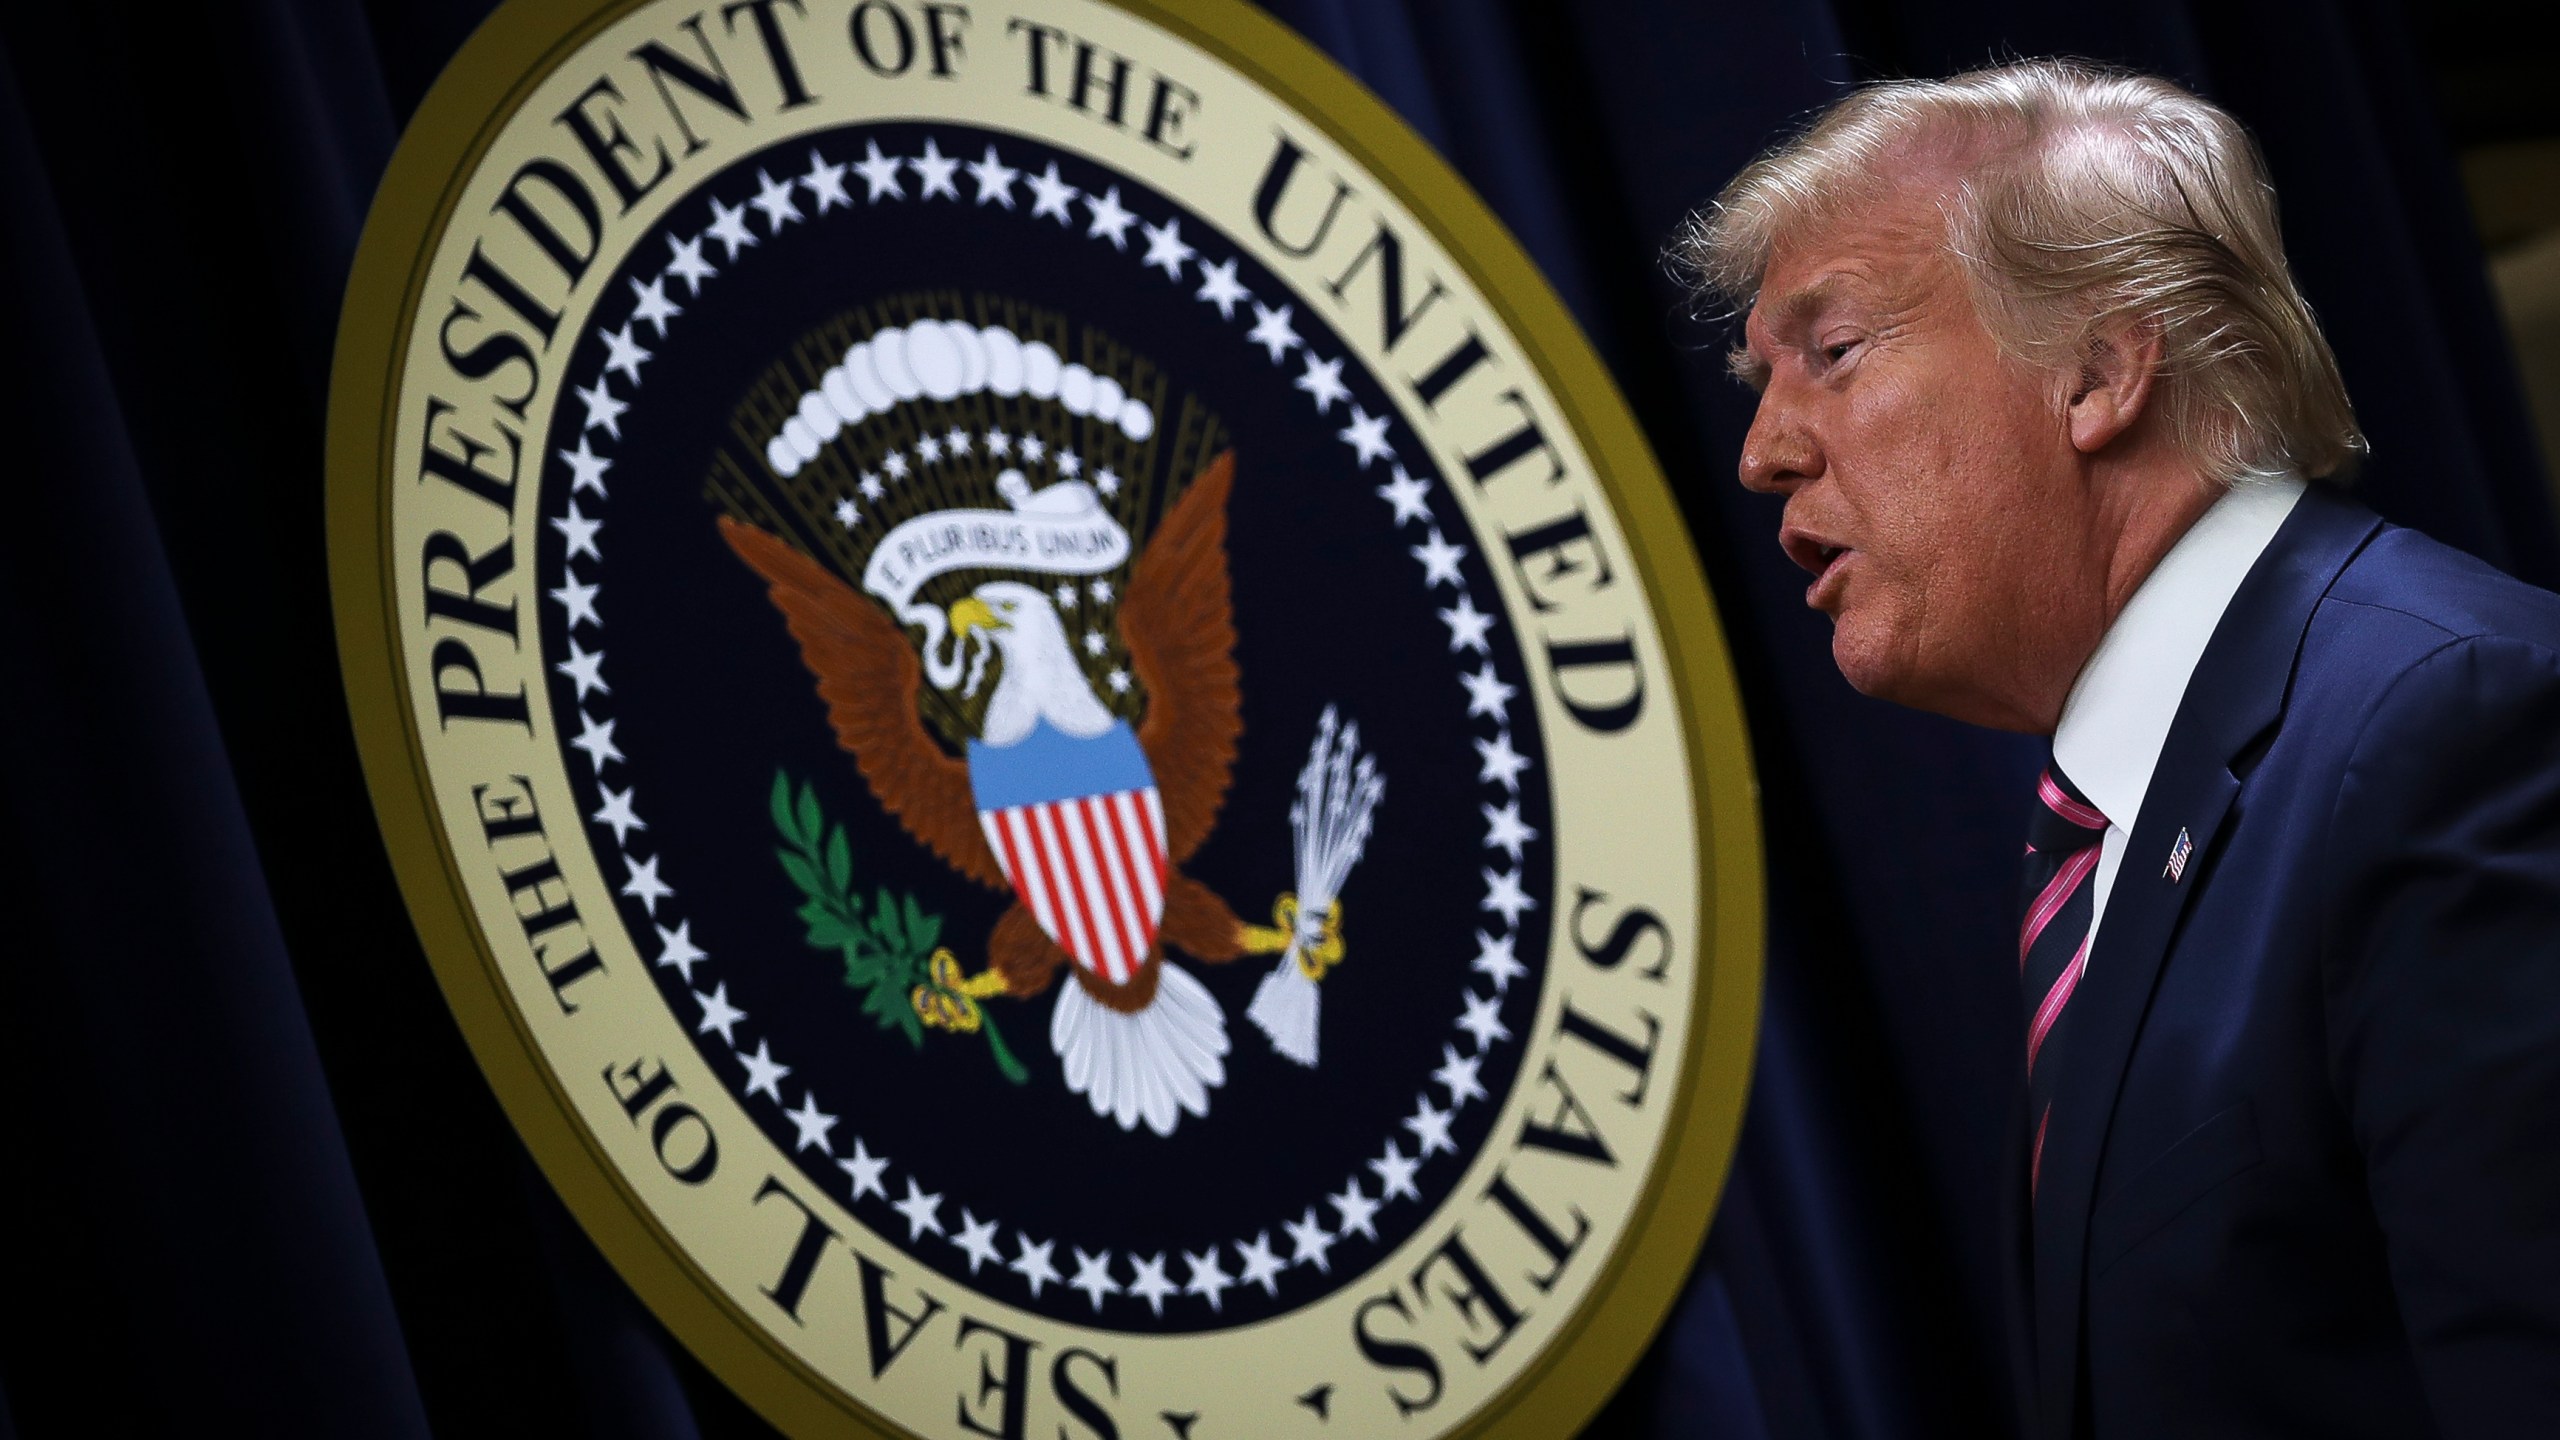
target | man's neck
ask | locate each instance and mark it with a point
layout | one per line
(2143, 508)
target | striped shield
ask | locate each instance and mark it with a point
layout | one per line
(1077, 826)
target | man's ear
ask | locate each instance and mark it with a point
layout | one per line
(2115, 386)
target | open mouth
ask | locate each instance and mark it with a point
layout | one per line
(1825, 563)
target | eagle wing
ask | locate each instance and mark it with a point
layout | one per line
(1178, 618)
(868, 674)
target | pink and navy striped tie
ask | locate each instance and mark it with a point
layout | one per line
(2053, 943)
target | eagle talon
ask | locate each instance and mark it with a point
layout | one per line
(1315, 942)
(1320, 943)
(949, 1000)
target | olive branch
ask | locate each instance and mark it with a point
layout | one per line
(888, 944)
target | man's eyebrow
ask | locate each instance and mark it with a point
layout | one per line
(1747, 367)
(1797, 305)
(1782, 312)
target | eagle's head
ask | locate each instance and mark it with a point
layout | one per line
(1040, 679)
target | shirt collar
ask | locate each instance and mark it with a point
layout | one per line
(2118, 714)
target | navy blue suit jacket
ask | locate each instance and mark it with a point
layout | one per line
(2303, 1172)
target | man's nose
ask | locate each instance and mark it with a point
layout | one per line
(1778, 454)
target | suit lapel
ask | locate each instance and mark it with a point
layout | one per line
(2236, 693)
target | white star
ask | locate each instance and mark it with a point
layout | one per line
(923, 1211)
(1272, 330)
(764, 1073)
(999, 443)
(1049, 196)
(1106, 481)
(880, 172)
(1110, 220)
(1496, 959)
(586, 467)
(1395, 1174)
(812, 1123)
(871, 486)
(1467, 626)
(846, 515)
(597, 740)
(864, 1170)
(1430, 1126)
(1323, 380)
(729, 227)
(1101, 590)
(676, 950)
(649, 302)
(929, 450)
(1308, 1241)
(1368, 435)
(773, 197)
(1066, 597)
(1033, 1263)
(1166, 249)
(1070, 464)
(1150, 1283)
(995, 183)
(895, 462)
(933, 172)
(1355, 1210)
(1505, 830)
(1502, 764)
(1458, 1074)
(1409, 495)
(957, 441)
(1118, 680)
(1486, 694)
(585, 668)
(1093, 1272)
(1261, 1267)
(1208, 1279)
(617, 812)
(602, 408)
(621, 353)
(977, 1239)
(644, 884)
(580, 601)
(1218, 287)
(1483, 1020)
(826, 182)
(718, 1015)
(1033, 447)
(1503, 894)
(1094, 644)
(1440, 560)
(686, 264)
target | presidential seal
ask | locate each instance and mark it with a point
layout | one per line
(1045, 721)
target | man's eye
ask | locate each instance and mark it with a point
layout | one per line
(1837, 351)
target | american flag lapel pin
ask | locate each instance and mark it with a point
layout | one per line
(2177, 868)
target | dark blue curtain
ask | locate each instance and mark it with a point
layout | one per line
(254, 1184)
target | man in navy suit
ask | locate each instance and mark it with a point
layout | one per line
(2061, 445)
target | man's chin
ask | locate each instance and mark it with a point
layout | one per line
(1883, 674)
(1868, 667)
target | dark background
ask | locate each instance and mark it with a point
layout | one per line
(253, 1183)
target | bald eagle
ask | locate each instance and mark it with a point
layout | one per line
(1085, 820)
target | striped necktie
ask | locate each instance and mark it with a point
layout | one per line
(2053, 943)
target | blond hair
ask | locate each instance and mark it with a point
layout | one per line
(2084, 202)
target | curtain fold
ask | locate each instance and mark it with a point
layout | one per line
(186, 1193)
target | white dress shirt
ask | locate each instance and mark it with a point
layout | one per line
(2118, 713)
